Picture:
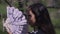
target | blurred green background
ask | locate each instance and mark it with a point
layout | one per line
(54, 12)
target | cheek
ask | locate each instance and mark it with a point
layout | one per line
(33, 19)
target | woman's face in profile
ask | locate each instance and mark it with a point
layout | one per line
(32, 17)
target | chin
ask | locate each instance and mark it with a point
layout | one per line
(31, 23)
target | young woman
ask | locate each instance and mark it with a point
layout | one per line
(39, 19)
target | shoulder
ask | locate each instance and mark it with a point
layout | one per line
(40, 32)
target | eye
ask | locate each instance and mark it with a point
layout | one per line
(29, 15)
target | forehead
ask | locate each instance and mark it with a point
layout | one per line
(30, 12)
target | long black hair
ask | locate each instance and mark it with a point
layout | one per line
(43, 20)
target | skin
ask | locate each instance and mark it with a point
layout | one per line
(32, 18)
(10, 33)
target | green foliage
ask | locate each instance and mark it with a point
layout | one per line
(57, 31)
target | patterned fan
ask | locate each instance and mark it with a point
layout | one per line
(16, 22)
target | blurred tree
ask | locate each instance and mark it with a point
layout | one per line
(50, 2)
(33, 1)
(0, 1)
(57, 3)
(11, 2)
(20, 4)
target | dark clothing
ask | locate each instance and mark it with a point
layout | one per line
(38, 32)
